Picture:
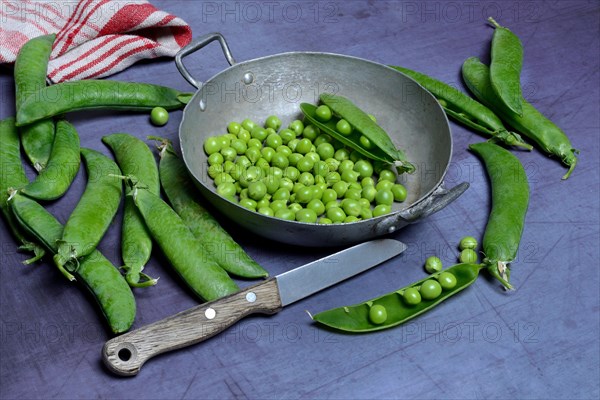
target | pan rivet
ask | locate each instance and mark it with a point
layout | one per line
(210, 313)
(251, 297)
(248, 78)
(391, 229)
(202, 105)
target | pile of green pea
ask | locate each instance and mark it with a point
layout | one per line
(299, 174)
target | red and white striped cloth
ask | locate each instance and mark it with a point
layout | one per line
(94, 38)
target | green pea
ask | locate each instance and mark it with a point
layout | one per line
(294, 158)
(332, 203)
(430, 289)
(351, 207)
(243, 193)
(226, 139)
(222, 178)
(350, 176)
(215, 158)
(285, 213)
(274, 141)
(306, 215)
(340, 188)
(159, 116)
(286, 183)
(273, 122)
(298, 186)
(239, 145)
(332, 178)
(387, 175)
(364, 168)
(411, 296)
(325, 221)
(264, 202)
(292, 144)
(272, 183)
(350, 218)
(343, 127)
(248, 203)
(248, 124)
(355, 186)
(215, 170)
(277, 205)
(447, 280)
(316, 205)
(304, 195)
(244, 135)
(257, 190)
(305, 164)
(366, 213)
(364, 203)
(378, 314)
(304, 146)
(381, 209)
(310, 132)
(336, 214)
(281, 194)
(295, 207)
(323, 138)
(468, 242)
(227, 190)
(318, 190)
(384, 185)
(369, 192)
(468, 256)
(328, 195)
(365, 142)
(287, 135)
(325, 151)
(399, 192)
(323, 113)
(353, 194)
(321, 169)
(234, 128)
(306, 179)
(342, 154)
(346, 165)
(229, 153)
(384, 197)
(292, 173)
(333, 164)
(268, 211)
(297, 126)
(274, 172)
(280, 160)
(211, 145)
(355, 156)
(283, 149)
(433, 264)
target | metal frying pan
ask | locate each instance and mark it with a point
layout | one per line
(277, 85)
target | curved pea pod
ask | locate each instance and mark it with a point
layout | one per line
(533, 124)
(134, 157)
(54, 180)
(203, 275)
(89, 94)
(365, 126)
(505, 67)
(356, 318)
(93, 213)
(95, 272)
(12, 176)
(31, 66)
(217, 243)
(465, 109)
(510, 200)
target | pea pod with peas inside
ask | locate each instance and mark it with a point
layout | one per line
(31, 66)
(402, 305)
(93, 213)
(510, 199)
(12, 175)
(360, 132)
(466, 110)
(533, 124)
(217, 243)
(202, 274)
(95, 272)
(63, 165)
(134, 157)
(108, 94)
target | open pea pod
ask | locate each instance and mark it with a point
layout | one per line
(364, 125)
(356, 318)
(352, 141)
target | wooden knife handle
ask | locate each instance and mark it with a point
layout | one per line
(125, 354)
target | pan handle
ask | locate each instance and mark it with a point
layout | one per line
(196, 45)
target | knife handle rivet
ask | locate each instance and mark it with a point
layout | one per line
(251, 297)
(210, 313)
(392, 229)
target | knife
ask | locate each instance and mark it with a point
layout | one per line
(125, 354)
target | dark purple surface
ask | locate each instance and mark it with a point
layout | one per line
(540, 341)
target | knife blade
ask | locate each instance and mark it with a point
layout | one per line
(125, 354)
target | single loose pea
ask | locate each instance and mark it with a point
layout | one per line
(321, 169)
(355, 185)
(280, 160)
(253, 154)
(381, 209)
(387, 175)
(295, 207)
(281, 194)
(310, 132)
(268, 211)
(304, 146)
(351, 207)
(369, 192)
(248, 124)
(212, 145)
(292, 173)
(447, 280)
(336, 214)
(343, 127)
(257, 190)
(285, 213)
(286, 183)
(159, 116)
(384, 197)
(244, 135)
(273, 141)
(323, 113)
(411, 296)
(283, 149)
(226, 139)
(384, 185)
(215, 170)
(273, 122)
(306, 215)
(293, 143)
(328, 195)
(340, 188)
(223, 177)
(430, 289)
(353, 194)
(287, 135)
(297, 126)
(294, 158)
(351, 218)
(304, 195)
(332, 203)
(215, 158)
(317, 206)
(227, 190)
(305, 164)
(364, 203)
(323, 138)
(332, 178)
(468, 242)
(278, 205)
(264, 202)
(259, 133)
(234, 128)
(350, 176)
(272, 183)
(433, 264)
(468, 256)
(229, 153)
(325, 221)
(325, 150)
(239, 145)
(378, 314)
(399, 192)
(364, 168)
(267, 153)
(366, 213)
(306, 178)
(346, 165)
(248, 203)
(355, 156)
(341, 154)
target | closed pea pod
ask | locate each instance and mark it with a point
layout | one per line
(204, 276)
(183, 198)
(510, 199)
(31, 67)
(93, 213)
(82, 95)
(63, 164)
(12, 175)
(466, 110)
(134, 157)
(532, 124)
(95, 272)
(401, 305)
(505, 67)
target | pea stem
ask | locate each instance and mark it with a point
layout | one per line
(571, 168)
(494, 23)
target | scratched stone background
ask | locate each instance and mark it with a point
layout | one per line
(538, 342)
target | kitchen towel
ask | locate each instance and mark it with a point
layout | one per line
(94, 38)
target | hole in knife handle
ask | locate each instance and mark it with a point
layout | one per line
(124, 354)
